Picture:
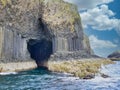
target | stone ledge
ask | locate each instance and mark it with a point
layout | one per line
(17, 66)
(82, 68)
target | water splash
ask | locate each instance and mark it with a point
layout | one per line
(8, 73)
(43, 80)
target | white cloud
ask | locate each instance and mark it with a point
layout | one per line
(97, 43)
(88, 4)
(100, 18)
(95, 14)
(118, 27)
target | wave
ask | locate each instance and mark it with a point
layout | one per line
(7, 73)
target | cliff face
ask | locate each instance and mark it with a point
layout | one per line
(41, 30)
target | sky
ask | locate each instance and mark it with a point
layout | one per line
(101, 23)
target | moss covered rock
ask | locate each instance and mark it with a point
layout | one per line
(84, 68)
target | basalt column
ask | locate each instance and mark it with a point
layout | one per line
(12, 46)
(40, 30)
(1, 41)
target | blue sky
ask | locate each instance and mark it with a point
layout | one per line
(101, 22)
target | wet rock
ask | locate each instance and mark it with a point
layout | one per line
(104, 75)
(89, 76)
(115, 55)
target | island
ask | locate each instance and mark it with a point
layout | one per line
(45, 33)
(115, 56)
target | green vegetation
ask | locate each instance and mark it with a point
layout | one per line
(66, 13)
(77, 67)
(4, 2)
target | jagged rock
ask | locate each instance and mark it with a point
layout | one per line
(89, 76)
(40, 30)
(104, 75)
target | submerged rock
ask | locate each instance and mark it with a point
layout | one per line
(104, 75)
(89, 76)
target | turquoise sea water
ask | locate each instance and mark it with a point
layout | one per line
(43, 80)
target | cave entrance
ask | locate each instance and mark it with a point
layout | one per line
(40, 51)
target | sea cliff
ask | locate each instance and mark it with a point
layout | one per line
(41, 30)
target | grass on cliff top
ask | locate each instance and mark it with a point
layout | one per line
(77, 67)
(65, 10)
(4, 2)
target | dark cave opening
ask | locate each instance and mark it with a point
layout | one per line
(40, 51)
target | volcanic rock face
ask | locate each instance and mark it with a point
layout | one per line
(41, 30)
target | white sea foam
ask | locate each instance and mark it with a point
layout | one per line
(111, 70)
(100, 79)
(7, 73)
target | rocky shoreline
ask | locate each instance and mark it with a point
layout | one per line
(83, 68)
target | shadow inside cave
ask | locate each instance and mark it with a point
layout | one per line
(40, 51)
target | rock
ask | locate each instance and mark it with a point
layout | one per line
(104, 75)
(38, 29)
(16, 67)
(89, 76)
(86, 45)
(115, 55)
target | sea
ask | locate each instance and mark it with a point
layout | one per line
(40, 79)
